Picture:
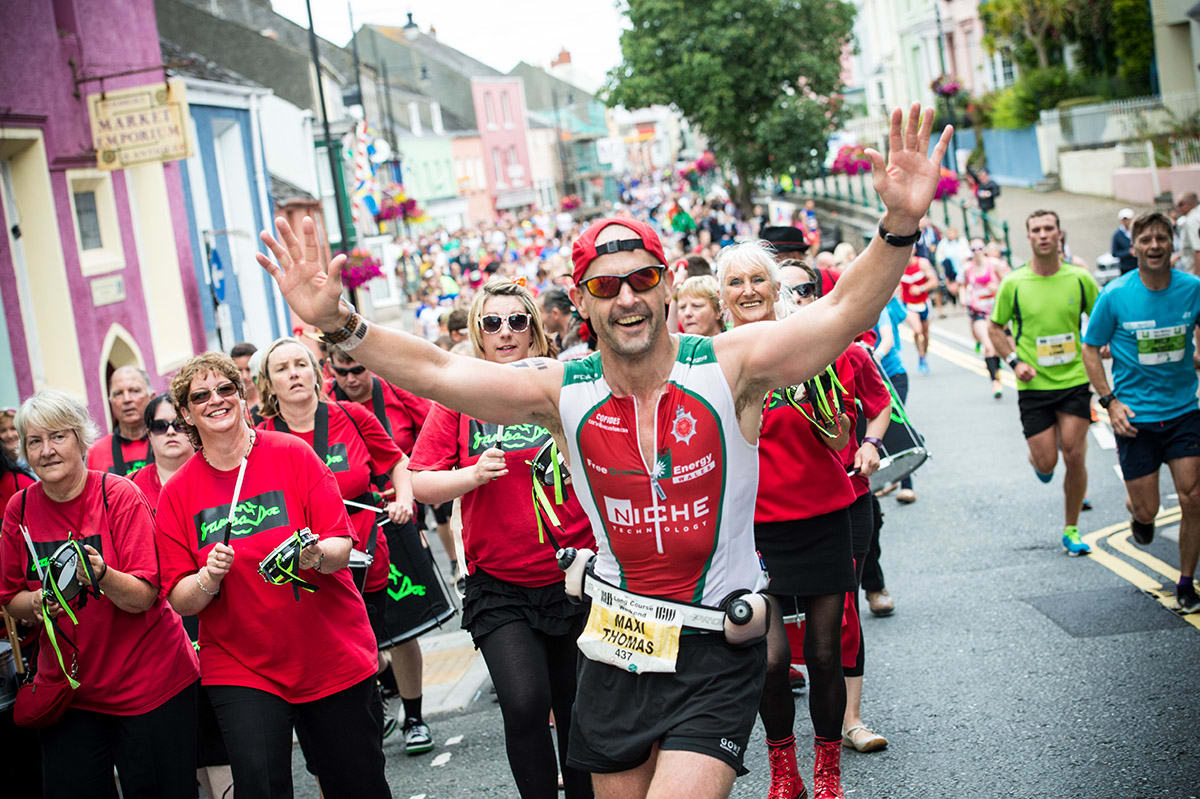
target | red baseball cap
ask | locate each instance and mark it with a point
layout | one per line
(585, 250)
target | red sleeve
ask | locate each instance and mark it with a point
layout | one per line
(12, 553)
(417, 407)
(437, 445)
(869, 388)
(176, 558)
(382, 449)
(99, 456)
(136, 553)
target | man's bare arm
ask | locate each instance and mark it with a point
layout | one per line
(486, 391)
(794, 349)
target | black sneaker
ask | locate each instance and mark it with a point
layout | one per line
(417, 738)
(1186, 601)
(1143, 532)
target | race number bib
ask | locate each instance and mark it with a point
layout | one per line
(1161, 345)
(1056, 350)
(633, 633)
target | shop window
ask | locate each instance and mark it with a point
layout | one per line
(94, 210)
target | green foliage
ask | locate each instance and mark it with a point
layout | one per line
(1019, 105)
(1135, 54)
(978, 158)
(758, 77)
(1074, 102)
(1020, 24)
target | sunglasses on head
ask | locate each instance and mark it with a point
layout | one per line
(161, 426)
(204, 395)
(342, 371)
(805, 290)
(608, 286)
(492, 322)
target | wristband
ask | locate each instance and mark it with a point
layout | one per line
(320, 563)
(1107, 400)
(103, 574)
(873, 441)
(349, 335)
(897, 240)
(1012, 359)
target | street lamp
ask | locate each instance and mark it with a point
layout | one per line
(937, 11)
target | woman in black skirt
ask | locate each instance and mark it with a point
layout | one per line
(515, 607)
(801, 527)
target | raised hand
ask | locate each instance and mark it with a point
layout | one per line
(311, 288)
(907, 181)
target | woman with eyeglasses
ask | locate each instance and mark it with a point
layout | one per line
(353, 443)
(171, 448)
(515, 607)
(297, 651)
(135, 705)
(801, 527)
(980, 281)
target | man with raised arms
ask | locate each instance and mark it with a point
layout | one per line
(661, 433)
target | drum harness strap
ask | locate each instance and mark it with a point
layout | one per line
(828, 418)
(118, 455)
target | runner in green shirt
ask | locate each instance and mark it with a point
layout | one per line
(1045, 300)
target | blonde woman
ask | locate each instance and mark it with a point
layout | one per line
(699, 306)
(515, 607)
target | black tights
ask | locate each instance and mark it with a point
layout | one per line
(823, 659)
(533, 673)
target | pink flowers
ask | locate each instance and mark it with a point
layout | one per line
(360, 267)
(947, 184)
(850, 160)
(571, 202)
(398, 205)
(945, 86)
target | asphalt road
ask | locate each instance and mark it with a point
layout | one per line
(1008, 668)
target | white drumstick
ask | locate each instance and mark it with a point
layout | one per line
(500, 437)
(361, 506)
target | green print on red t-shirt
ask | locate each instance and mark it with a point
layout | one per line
(267, 511)
(336, 458)
(481, 436)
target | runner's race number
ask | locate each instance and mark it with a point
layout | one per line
(634, 633)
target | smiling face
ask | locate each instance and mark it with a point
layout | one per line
(630, 323)
(10, 439)
(213, 415)
(748, 293)
(290, 370)
(172, 444)
(505, 346)
(55, 455)
(698, 316)
(1153, 248)
(128, 396)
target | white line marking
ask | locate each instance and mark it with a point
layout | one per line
(417, 796)
(1104, 437)
(457, 739)
(1120, 474)
(441, 759)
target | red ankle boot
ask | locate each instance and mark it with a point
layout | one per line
(785, 777)
(827, 770)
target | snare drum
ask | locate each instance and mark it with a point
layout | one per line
(415, 599)
(903, 447)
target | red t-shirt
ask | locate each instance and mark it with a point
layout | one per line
(798, 476)
(405, 411)
(11, 483)
(499, 529)
(868, 389)
(136, 454)
(254, 634)
(129, 663)
(355, 455)
(912, 282)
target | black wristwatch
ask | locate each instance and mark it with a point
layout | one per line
(1106, 400)
(897, 240)
(1012, 360)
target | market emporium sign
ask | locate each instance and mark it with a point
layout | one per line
(140, 125)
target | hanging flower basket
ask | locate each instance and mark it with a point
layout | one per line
(946, 86)
(706, 163)
(361, 267)
(850, 160)
(398, 205)
(947, 184)
(571, 202)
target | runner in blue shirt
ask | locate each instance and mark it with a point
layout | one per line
(1147, 319)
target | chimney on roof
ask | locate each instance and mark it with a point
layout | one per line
(564, 57)
(432, 32)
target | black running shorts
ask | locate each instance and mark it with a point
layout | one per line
(1040, 408)
(1157, 443)
(707, 706)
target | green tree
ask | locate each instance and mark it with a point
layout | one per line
(1135, 44)
(758, 77)
(1015, 22)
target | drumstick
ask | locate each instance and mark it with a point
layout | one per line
(10, 625)
(500, 437)
(237, 493)
(361, 506)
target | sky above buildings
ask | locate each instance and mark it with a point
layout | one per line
(497, 32)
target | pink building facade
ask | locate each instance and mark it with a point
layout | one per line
(500, 117)
(95, 265)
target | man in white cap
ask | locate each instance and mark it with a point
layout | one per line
(1122, 246)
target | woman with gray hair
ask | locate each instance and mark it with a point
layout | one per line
(132, 671)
